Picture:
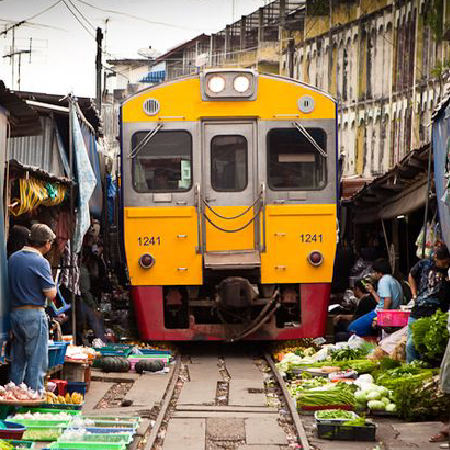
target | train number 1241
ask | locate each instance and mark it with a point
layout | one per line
(147, 241)
(311, 237)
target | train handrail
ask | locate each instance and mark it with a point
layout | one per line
(198, 209)
(262, 248)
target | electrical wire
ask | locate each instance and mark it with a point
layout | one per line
(78, 19)
(132, 16)
(81, 14)
(21, 22)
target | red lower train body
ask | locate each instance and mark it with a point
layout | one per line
(150, 314)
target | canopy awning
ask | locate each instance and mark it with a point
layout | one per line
(400, 191)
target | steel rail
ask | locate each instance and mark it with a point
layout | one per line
(291, 405)
(166, 402)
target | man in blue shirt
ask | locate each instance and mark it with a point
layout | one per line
(389, 295)
(31, 284)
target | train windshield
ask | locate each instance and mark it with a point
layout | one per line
(163, 163)
(229, 163)
(294, 163)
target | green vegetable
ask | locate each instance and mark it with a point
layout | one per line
(376, 405)
(391, 407)
(417, 400)
(334, 414)
(324, 398)
(360, 396)
(374, 395)
(385, 400)
(359, 422)
(5, 445)
(431, 335)
(347, 354)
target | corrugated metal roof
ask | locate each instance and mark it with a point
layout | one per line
(39, 151)
(24, 121)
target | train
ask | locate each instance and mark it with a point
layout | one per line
(229, 192)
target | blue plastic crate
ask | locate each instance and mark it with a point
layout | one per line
(52, 356)
(76, 386)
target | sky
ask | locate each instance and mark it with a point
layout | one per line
(63, 50)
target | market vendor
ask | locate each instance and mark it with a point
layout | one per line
(430, 289)
(31, 284)
(389, 295)
(366, 304)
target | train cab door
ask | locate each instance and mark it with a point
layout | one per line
(229, 195)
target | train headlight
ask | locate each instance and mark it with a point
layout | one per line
(229, 84)
(241, 84)
(147, 261)
(315, 258)
(216, 84)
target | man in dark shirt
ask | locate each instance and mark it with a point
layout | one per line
(430, 289)
(366, 304)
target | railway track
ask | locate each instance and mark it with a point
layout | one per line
(226, 398)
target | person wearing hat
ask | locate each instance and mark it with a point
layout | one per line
(31, 284)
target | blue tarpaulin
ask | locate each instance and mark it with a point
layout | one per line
(441, 142)
(95, 203)
(86, 183)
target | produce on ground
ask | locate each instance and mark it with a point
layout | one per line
(431, 336)
(335, 414)
(418, 400)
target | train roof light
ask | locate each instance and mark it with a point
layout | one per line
(229, 84)
(241, 83)
(216, 84)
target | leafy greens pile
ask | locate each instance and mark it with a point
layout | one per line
(431, 335)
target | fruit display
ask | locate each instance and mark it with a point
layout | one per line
(69, 399)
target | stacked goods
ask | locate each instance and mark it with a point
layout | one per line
(69, 399)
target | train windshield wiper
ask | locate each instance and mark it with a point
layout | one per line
(302, 130)
(144, 141)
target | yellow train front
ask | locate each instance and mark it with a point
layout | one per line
(229, 191)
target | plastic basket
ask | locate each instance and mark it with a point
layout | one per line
(334, 431)
(319, 420)
(133, 421)
(42, 410)
(40, 422)
(12, 430)
(115, 350)
(64, 407)
(392, 318)
(62, 349)
(21, 444)
(42, 433)
(77, 386)
(88, 445)
(124, 438)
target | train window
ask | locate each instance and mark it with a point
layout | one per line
(293, 162)
(229, 163)
(164, 163)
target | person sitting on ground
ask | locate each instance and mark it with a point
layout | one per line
(430, 289)
(389, 295)
(366, 304)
